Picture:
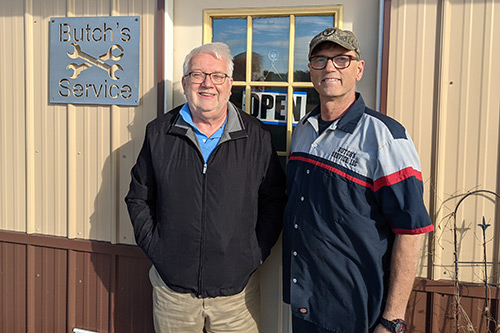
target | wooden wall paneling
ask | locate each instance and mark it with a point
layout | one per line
(133, 301)
(53, 284)
(416, 312)
(30, 289)
(101, 268)
(13, 287)
(71, 308)
(48, 289)
(91, 297)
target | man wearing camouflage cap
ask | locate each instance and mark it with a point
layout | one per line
(355, 217)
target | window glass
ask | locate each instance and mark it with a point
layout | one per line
(236, 97)
(310, 102)
(233, 32)
(306, 27)
(269, 82)
(269, 105)
(270, 46)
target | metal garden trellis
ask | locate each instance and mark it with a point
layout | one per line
(483, 226)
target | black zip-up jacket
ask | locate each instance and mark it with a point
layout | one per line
(207, 227)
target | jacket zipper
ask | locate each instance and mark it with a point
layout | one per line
(203, 218)
(202, 229)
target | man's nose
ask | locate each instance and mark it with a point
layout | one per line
(207, 82)
(330, 66)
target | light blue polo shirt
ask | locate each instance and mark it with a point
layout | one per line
(207, 144)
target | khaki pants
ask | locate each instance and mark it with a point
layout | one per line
(175, 312)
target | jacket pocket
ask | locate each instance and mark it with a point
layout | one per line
(149, 248)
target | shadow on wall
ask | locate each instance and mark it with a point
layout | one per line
(121, 283)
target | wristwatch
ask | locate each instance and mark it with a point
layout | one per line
(395, 326)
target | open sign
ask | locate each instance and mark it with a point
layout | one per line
(270, 106)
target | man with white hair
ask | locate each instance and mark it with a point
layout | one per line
(206, 202)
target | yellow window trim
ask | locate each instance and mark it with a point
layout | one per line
(208, 14)
(292, 12)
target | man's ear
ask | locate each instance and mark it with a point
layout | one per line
(183, 81)
(360, 69)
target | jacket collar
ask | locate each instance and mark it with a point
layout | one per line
(351, 118)
(235, 128)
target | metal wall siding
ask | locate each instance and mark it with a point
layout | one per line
(469, 151)
(65, 169)
(451, 109)
(128, 142)
(13, 287)
(416, 312)
(49, 130)
(432, 307)
(100, 287)
(90, 286)
(133, 290)
(12, 134)
(411, 59)
(51, 284)
(46, 290)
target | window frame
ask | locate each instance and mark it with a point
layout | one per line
(291, 12)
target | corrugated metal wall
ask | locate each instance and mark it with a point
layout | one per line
(410, 82)
(64, 169)
(444, 83)
(52, 285)
(12, 117)
(432, 308)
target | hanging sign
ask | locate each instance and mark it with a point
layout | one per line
(94, 60)
(270, 106)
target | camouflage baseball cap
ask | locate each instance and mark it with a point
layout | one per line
(344, 38)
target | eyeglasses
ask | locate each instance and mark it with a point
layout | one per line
(340, 61)
(199, 77)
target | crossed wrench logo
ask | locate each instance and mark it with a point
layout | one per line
(91, 61)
